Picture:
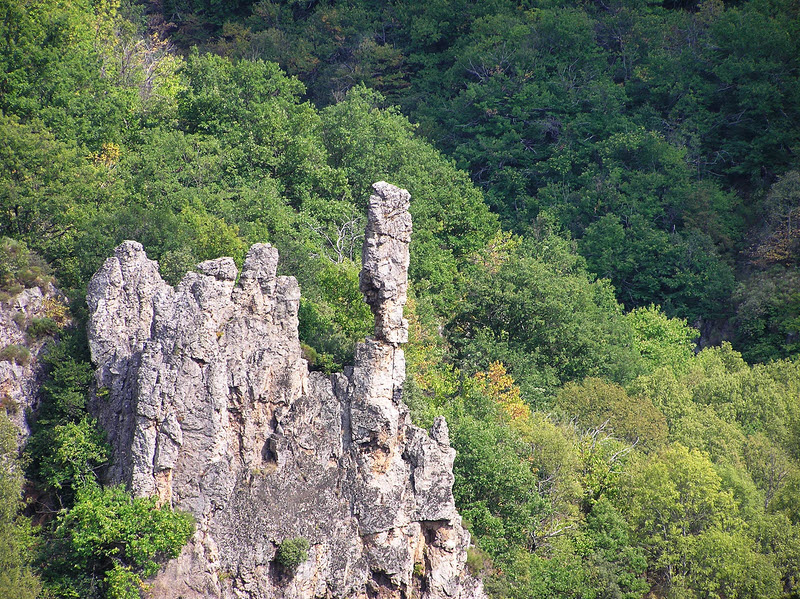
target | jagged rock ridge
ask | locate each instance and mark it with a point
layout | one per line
(212, 407)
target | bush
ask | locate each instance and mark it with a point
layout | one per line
(291, 553)
(123, 583)
(42, 327)
(478, 562)
(20, 268)
(15, 353)
(8, 404)
(17, 537)
(109, 534)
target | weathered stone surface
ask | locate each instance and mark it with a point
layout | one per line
(212, 408)
(20, 380)
(385, 257)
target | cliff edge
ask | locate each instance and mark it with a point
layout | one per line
(211, 407)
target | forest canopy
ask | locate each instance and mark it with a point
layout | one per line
(605, 266)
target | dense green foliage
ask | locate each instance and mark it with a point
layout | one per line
(96, 541)
(630, 185)
(533, 306)
(17, 579)
(657, 135)
(19, 268)
(291, 553)
(108, 542)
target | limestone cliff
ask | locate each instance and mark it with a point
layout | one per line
(20, 371)
(212, 407)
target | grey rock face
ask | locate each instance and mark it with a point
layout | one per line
(212, 408)
(20, 379)
(385, 257)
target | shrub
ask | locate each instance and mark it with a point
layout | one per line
(8, 404)
(478, 562)
(13, 257)
(17, 537)
(56, 309)
(41, 327)
(109, 534)
(310, 355)
(291, 553)
(15, 353)
(419, 569)
(20, 268)
(123, 583)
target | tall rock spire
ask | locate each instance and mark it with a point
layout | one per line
(385, 259)
(211, 406)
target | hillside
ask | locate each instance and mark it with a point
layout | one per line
(603, 280)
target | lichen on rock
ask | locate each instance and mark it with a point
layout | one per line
(212, 408)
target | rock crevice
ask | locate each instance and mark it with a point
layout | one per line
(211, 407)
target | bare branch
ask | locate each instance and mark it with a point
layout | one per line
(341, 240)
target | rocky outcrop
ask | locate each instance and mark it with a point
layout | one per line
(211, 407)
(21, 347)
(384, 275)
